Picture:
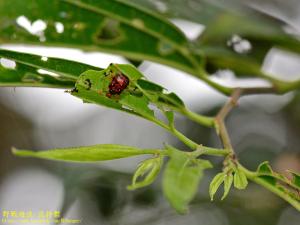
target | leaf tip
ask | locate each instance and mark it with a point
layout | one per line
(130, 188)
(16, 151)
(23, 153)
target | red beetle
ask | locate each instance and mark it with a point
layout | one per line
(117, 85)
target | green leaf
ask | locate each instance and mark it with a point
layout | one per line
(129, 70)
(227, 33)
(99, 25)
(38, 71)
(227, 184)
(170, 117)
(158, 95)
(296, 179)
(240, 179)
(215, 184)
(264, 169)
(181, 179)
(93, 87)
(139, 105)
(265, 172)
(92, 153)
(281, 187)
(149, 86)
(147, 172)
(223, 20)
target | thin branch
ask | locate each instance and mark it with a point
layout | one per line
(219, 120)
(276, 86)
(231, 103)
(201, 119)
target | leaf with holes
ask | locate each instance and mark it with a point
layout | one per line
(98, 25)
(21, 69)
(123, 87)
(264, 171)
(235, 37)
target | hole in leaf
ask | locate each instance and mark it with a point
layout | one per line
(35, 28)
(165, 48)
(8, 64)
(239, 45)
(59, 27)
(44, 58)
(110, 32)
(41, 71)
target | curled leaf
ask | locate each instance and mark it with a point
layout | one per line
(147, 171)
(227, 184)
(215, 184)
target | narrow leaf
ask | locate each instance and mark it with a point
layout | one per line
(86, 154)
(215, 184)
(147, 172)
(29, 70)
(227, 184)
(112, 26)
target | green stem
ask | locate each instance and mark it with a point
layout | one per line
(203, 150)
(253, 177)
(223, 89)
(198, 149)
(278, 86)
(191, 144)
(154, 151)
(203, 120)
